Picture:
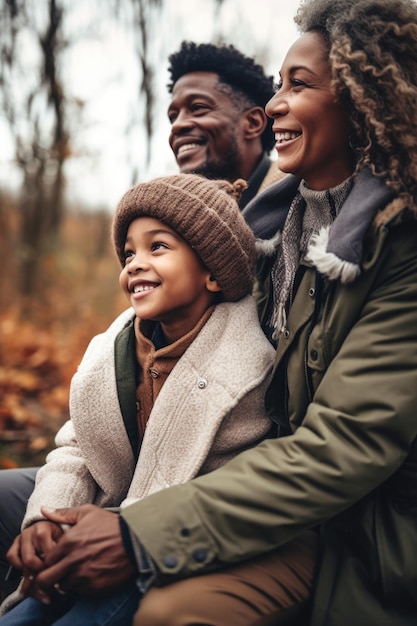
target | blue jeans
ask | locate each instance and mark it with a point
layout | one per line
(118, 609)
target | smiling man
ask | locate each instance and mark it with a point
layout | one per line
(218, 123)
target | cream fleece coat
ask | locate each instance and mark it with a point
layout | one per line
(210, 408)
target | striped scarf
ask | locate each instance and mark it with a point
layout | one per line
(309, 212)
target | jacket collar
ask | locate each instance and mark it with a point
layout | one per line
(336, 251)
(267, 212)
(255, 180)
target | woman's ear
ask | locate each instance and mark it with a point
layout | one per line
(212, 285)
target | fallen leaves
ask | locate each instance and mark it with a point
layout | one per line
(43, 340)
(34, 384)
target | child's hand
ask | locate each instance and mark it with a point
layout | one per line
(29, 549)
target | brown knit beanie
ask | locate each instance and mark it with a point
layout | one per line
(206, 215)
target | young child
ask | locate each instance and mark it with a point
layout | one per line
(173, 389)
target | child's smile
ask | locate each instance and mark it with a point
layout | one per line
(163, 277)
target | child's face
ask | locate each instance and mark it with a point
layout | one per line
(163, 278)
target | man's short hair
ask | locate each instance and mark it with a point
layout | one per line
(249, 84)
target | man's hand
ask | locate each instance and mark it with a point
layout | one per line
(89, 558)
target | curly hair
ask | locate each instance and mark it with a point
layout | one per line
(373, 56)
(243, 80)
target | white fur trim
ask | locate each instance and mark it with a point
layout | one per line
(12, 600)
(267, 247)
(328, 263)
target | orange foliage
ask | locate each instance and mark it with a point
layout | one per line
(42, 340)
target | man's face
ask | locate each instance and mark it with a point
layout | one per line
(205, 127)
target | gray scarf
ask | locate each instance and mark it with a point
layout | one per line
(309, 212)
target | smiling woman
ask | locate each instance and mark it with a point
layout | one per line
(310, 123)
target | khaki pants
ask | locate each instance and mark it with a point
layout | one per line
(254, 593)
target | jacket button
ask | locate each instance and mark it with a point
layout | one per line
(311, 292)
(170, 561)
(185, 532)
(314, 355)
(286, 333)
(200, 555)
(201, 383)
(154, 373)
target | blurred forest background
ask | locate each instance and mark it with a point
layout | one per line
(59, 275)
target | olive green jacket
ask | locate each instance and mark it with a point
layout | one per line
(345, 381)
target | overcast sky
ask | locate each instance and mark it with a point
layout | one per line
(101, 72)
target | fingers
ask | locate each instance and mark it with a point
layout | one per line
(26, 555)
(44, 537)
(36, 542)
(69, 516)
(31, 588)
(29, 553)
(86, 559)
(89, 556)
(13, 554)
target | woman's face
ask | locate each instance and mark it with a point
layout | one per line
(310, 125)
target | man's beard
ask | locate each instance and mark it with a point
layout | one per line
(225, 168)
